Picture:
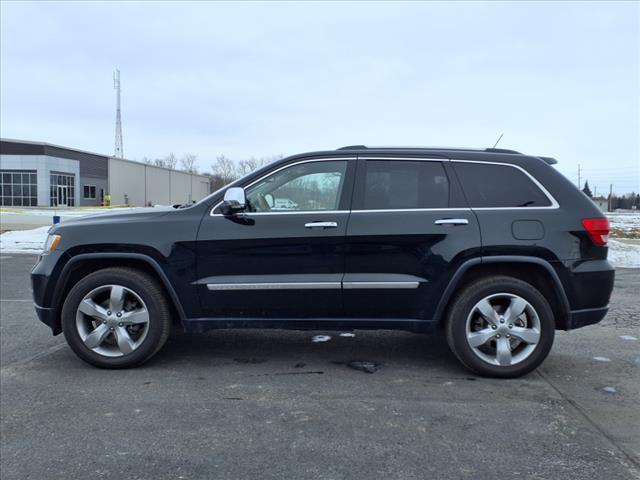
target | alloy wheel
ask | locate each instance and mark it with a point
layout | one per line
(503, 329)
(112, 320)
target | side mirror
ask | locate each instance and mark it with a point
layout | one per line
(234, 201)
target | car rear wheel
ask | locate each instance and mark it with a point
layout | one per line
(116, 318)
(500, 326)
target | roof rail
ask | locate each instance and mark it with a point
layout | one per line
(353, 147)
(549, 160)
(501, 150)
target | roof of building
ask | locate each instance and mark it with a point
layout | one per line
(9, 146)
(24, 147)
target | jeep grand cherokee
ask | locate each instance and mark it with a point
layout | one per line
(495, 247)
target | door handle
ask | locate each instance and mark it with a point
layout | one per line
(452, 221)
(321, 225)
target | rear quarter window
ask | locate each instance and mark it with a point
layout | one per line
(498, 186)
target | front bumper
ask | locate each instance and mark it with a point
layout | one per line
(44, 282)
(49, 316)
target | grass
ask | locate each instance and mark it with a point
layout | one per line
(633, 232)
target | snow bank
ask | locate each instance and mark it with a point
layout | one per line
(24, 241)
(624, 254)
(625, 222)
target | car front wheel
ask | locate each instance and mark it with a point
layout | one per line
(116, 318)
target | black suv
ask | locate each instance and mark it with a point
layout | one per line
(495, 246)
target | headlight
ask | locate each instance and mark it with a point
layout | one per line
(52, 243)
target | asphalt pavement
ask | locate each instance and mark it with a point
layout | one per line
(239, 404)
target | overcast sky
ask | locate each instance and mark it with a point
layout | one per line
(255, 79)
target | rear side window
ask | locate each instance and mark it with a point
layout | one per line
(395, 184)
(498, 186)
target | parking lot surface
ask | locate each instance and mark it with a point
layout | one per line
(273, 404)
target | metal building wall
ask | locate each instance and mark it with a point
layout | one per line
(158, 183)
(200, 186)
(127, 182)
(143, 184)
(180, 187)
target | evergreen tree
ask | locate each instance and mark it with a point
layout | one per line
(586, 190)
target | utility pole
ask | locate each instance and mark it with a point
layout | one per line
(579, 184)
(595, 191)
(610, 197)
(118, 151)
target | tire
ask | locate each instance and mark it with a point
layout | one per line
(500, 344)
(128, 336)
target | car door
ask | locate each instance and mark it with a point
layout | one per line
(284, 256)
(409, 229)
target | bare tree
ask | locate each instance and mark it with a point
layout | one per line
(188, 163)
(170, 161)
(252, 164)
(225, 168)
(248, 166)
(147, 160)
(216, 182)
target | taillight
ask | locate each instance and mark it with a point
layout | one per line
(598, 230)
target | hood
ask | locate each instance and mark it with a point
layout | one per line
(120, 216)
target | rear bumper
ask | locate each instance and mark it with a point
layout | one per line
(588, 286)
(48, 316)
(588, 316)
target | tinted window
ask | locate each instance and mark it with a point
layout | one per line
(393, 184)
(304, 187)
(487, 186)
(18, 189)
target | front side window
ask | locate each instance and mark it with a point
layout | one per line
(498, 186)
(400, 184)
(310, 186)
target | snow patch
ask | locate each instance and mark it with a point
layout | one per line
(609, 389)
(624, 255)
(628, 337)
(625, 222)
(321, 338)
(347, 334)
(24, 241)
(602, 359)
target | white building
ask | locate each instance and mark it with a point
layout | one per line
(40, 174)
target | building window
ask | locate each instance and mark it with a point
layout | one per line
(90, 192)
(62, 189)
(18, 188)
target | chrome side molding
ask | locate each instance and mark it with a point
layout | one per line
(276, 286)
(379, 285)
(312, 286)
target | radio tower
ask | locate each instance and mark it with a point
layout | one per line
(118, 152)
